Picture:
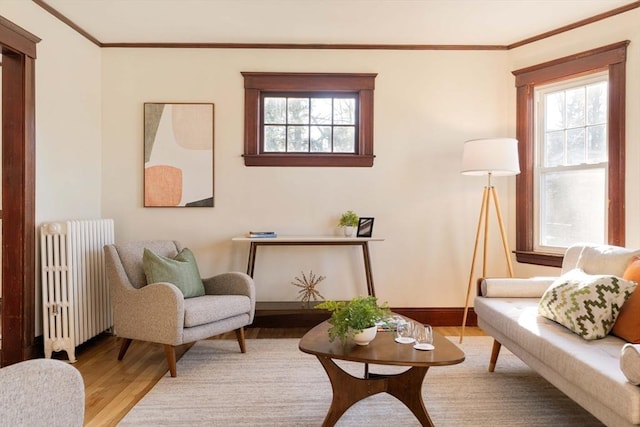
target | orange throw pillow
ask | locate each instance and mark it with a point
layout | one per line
(627, 324)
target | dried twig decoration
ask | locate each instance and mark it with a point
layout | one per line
(308, 286)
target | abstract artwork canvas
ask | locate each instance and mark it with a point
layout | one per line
(178, 155)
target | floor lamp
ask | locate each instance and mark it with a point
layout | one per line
(490, 157)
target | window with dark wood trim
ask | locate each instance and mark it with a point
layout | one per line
(611, 58)
(354, 132)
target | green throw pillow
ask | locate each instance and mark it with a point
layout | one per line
(181, 271)
(586, 304)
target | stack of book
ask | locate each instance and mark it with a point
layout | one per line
(390, 325)
(262, 234)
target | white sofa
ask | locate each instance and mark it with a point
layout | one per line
(586, 371)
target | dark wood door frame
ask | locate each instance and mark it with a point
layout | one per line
(18, 193)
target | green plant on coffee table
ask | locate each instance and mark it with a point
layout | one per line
(349, 219)
(352, 317)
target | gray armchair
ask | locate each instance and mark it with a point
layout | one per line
(158, 312)
(41, 392)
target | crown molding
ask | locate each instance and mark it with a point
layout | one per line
(301, 46)
(43, 4)
(582, 23)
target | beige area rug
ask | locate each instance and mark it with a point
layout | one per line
(275, 384)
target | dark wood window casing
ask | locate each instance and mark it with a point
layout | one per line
(611, 58)
(257, 83)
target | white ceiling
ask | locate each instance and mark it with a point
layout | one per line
(441, 22)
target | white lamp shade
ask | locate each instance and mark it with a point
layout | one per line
(495, 156)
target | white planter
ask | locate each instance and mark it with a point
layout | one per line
(348, 231)
(366, 336)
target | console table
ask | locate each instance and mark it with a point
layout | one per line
(312, 241)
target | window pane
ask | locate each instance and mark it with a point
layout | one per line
(553, 148)
(344, 139)
(298, 139)
(575, 146)
(275, 110)
(597, 140)
(554, 111)
(321, 139)
(566, 214)
(344, 111)
(321, 111)
(298, 111)
(575, 107)
(296, 114)
(597, 99)
(274, 139)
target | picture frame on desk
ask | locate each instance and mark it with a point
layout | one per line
(365, 227)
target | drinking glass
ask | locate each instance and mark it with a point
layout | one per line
(404, 332)
(423, 335)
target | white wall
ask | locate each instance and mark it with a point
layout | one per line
(68, 121)
(618, 28)
(427, 103)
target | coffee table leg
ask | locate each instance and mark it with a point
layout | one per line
(347, 390)
(407, 388)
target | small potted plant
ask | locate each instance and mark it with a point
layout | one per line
(355, 319)
(349, 222)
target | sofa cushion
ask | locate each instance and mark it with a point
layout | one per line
(605, 259)
(212, 308)
(627, 325)
(180, 270)
(585, 304)
(630, 363)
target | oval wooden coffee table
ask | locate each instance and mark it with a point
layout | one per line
(383, 350)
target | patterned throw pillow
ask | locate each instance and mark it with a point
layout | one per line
(585, 304)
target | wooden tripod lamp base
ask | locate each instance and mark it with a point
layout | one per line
(488, 157)
(483, 228)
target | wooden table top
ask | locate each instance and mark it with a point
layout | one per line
(307, 239)
(383, 350)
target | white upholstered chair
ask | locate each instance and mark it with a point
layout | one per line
(158, 312)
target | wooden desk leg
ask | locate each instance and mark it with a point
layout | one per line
(367, 269)
(251, 263)
(348, 390)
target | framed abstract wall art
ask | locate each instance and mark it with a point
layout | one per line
(178, 155)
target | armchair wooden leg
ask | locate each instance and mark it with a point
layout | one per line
(126, 342)
(240, 336)
(170, 351)
(495, 351)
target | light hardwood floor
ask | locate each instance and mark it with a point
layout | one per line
(112, 388)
